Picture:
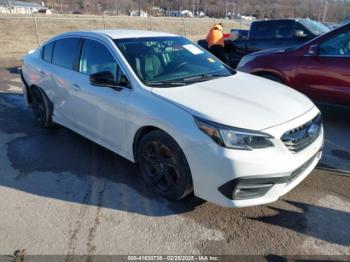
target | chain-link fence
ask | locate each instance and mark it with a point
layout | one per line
(22, 33)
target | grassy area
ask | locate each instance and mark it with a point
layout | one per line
(18, 32)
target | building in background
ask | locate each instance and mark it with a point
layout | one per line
(247, 18)
(19, 7)
(158, 11)
(173, 13)
(186, 13)
(136, 13)
(183, 13)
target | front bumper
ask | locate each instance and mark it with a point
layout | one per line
(217, 172)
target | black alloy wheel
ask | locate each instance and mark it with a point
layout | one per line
(163, 165)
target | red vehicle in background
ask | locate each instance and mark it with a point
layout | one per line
(319, 68)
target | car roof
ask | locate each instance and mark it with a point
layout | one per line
(112, 33)
(129, 33)
(121, 33)
(285, 19)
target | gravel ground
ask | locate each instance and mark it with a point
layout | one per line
(62, 194)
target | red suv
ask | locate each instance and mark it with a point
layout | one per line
(319, 68)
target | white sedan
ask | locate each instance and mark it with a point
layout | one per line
(191, 123)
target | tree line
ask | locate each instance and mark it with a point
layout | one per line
(330, 10)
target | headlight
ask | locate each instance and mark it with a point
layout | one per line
(232, 137)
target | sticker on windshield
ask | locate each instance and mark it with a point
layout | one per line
(193, 49)
(211, 60)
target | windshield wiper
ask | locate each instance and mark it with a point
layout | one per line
(165, 83)
(185, 80)
(203, 77)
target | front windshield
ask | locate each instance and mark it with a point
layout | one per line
(164, 61)
(315, 27)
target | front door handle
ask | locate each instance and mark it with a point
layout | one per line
(76, 87)
(42, 73)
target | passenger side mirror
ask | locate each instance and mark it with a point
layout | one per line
(300, 34)
(104, 78)
(313, 50)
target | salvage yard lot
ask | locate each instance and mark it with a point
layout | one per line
(62, 194)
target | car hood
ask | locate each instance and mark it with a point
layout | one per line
(241, 100)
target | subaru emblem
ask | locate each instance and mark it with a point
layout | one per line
(312, 130)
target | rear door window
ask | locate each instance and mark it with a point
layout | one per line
(284, 29)
(47, 52)
(65, 52)
(272, 30)
(263, 30)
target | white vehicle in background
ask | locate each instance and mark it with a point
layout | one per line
(191, 123)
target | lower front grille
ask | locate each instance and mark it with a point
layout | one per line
(301, 169)
(301, 137)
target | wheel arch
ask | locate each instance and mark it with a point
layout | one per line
(272, 73)
(142, 131)
(29, 94)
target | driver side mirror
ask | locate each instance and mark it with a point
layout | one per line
(107, 79)
(313, 50)
(123, 81)
(104, 78)
(300, 34)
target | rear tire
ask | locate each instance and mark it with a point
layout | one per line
(163, 165)
(41, 107)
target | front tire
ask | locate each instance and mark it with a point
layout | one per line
(163, 165)
(41, 107)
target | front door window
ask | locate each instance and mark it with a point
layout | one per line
(336, 46)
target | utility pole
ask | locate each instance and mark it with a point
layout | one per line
(61, 6)
(139, 7)
(152, 10)
(193, 7)
(325, 11)
(9, 6)
(233, 9)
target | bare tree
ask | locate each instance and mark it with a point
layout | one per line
(337, 10)
(81, 4)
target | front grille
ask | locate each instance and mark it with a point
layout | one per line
(302, 136)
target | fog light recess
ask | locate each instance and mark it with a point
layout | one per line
(247, 191)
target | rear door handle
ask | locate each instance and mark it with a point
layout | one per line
(76, 87)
